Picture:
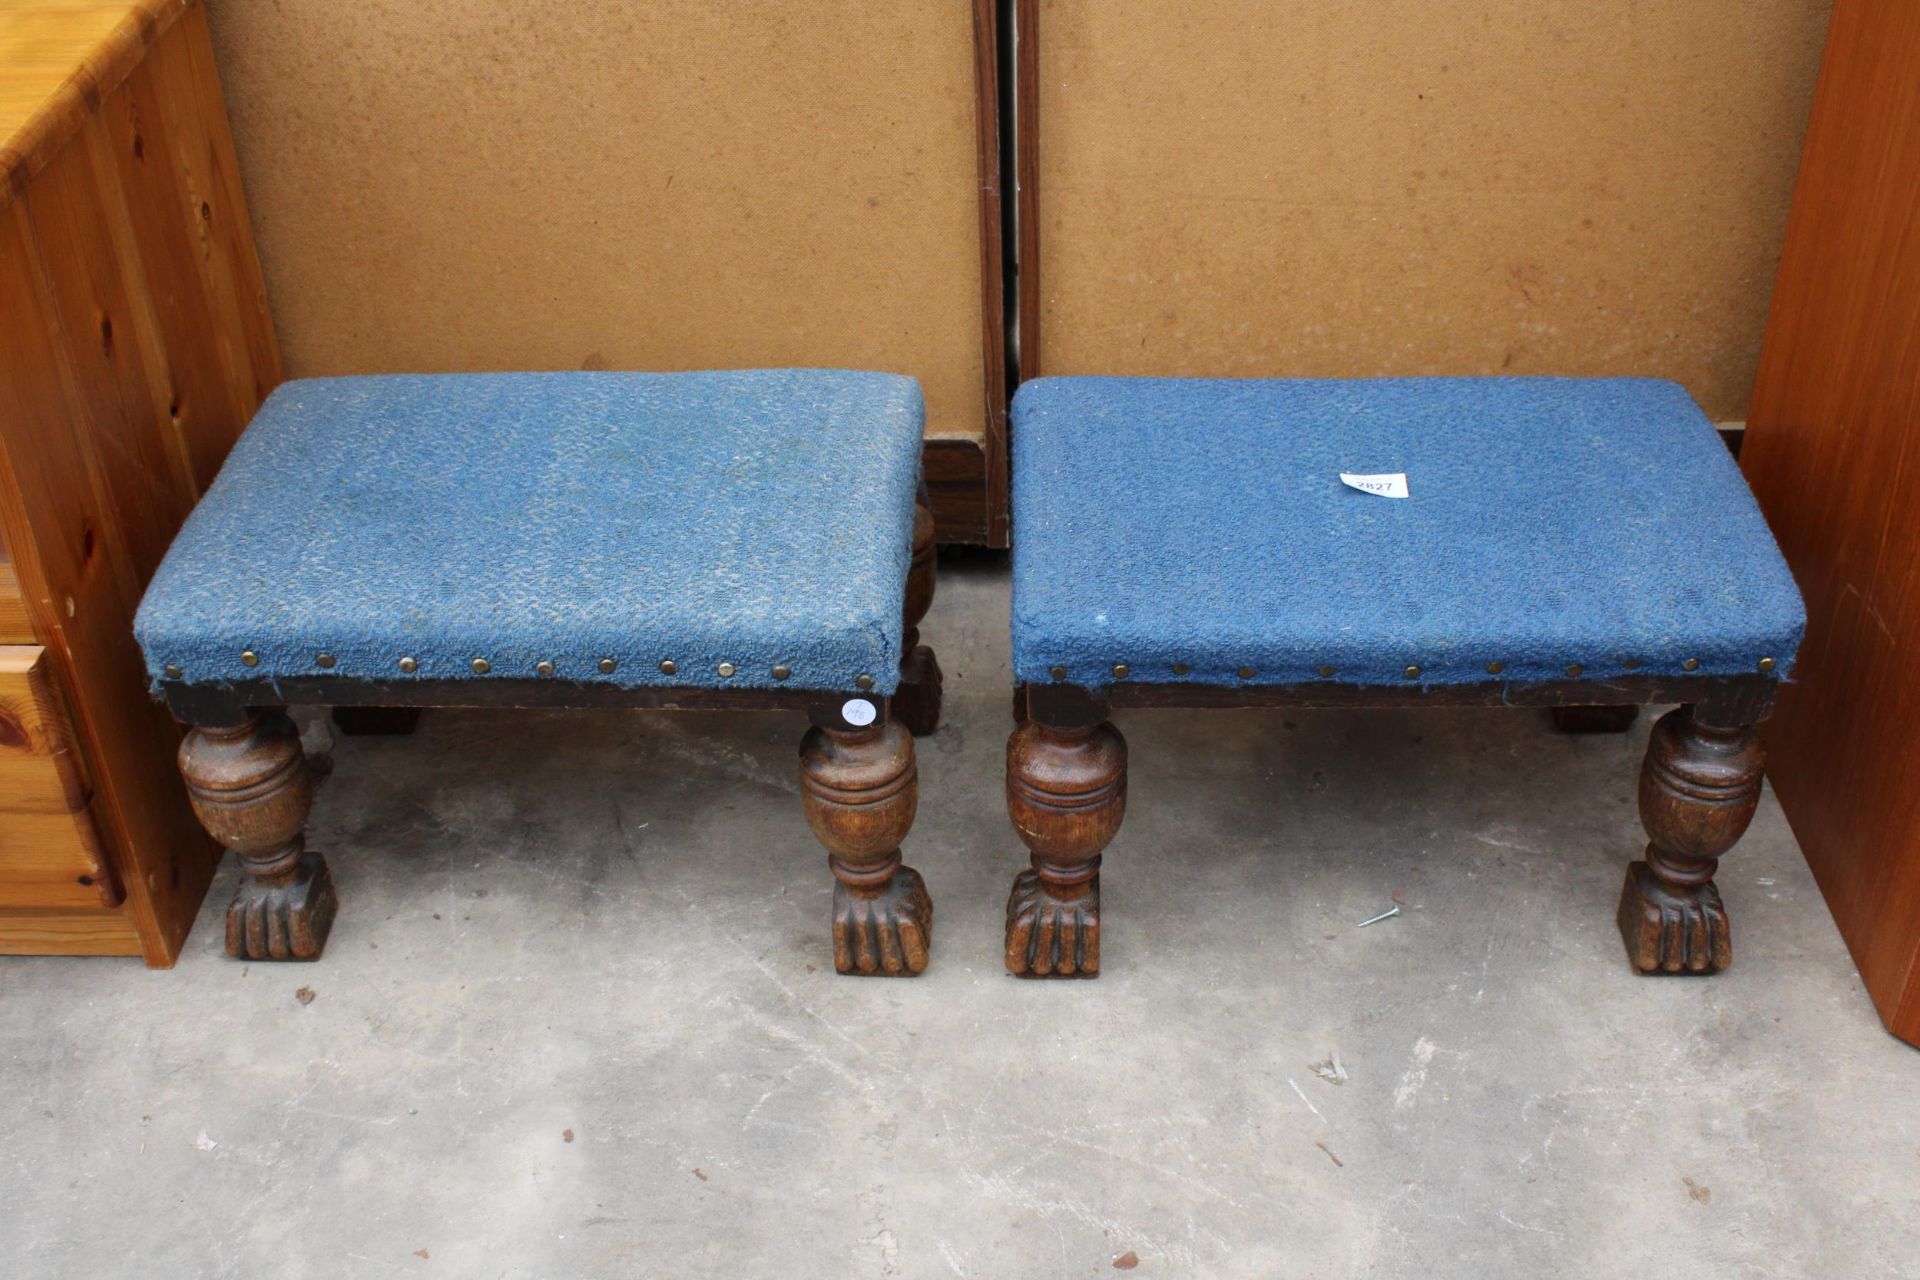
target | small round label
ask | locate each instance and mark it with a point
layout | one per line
(858, 711)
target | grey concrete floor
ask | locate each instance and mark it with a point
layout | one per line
(578, 1018)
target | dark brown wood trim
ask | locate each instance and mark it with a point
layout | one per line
(1026, 113)
(993, 315)
(993, 321)
(230, 704)
(1722, 701)
(958, 485)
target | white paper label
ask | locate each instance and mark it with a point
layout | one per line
(1393, 484)
(858, 712)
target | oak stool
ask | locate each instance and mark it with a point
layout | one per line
(593, 540)
(1578, 544)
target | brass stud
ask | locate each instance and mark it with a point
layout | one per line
(1631, 664)
(782, 672)
(863, 682)
(409, 665)
(1245, 673)
(248, 658)
(1326, 673)
(1691, 664)
(1765, 665)
(725, 669)
(1121, 671)
(1058, 673)
(1574, 669)
(543, 667)
(607, 666)
(323, 660)
(1181, 668)
(1411, 673)
(1495, 668)
(480, 666)
(668, 667)
(173, 672)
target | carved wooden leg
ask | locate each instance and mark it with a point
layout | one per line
(917, 703)
(250, 789)
(375, 721)
(1609, 719)
(861, 789)
(1066, 794)
(1698, 790)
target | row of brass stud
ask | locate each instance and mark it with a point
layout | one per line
(480, 666)
(1122, 671)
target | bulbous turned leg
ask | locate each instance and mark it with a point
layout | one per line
(1699, 787)
(861, 789)
(1066, 794)
(1605, 719)
(916, 704)
(251, 790)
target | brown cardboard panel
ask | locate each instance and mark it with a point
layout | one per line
(1291, 187)
(680, 184)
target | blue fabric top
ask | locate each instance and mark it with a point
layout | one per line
(755, 518)
(1192, 528)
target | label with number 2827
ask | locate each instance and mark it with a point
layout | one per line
(1392, 484)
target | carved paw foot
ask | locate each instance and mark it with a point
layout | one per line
(1051, 937)
(286, 921)
(916, 704)
(885, 933)
(1617, 719)
(1673, 932)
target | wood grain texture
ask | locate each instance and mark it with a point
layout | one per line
(1832, 451)
(1412, 187)
(678, 185)
(58, 59)
(15, 626)
(138, 345)
(59, 931)
(50, 851)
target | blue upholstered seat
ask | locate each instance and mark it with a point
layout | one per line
(1193, 529)
(759, 519)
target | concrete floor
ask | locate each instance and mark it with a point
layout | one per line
(578, 1018)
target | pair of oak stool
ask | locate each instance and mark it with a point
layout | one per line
(760, 540)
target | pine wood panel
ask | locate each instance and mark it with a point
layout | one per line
(50, 852)
(472, 185)
(1288, 187)
(1833, 451)
(15, 626)
(138, 346)
(55, 931)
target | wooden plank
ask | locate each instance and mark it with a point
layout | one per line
(99, 309)
(179, 215)
(15, 626)
(186, 64)
(68, 932)
(1026, 150)
(50, 851)
(1833, 451)
(960, 492)
(994, 524)
(58, 58)
(69, 547)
